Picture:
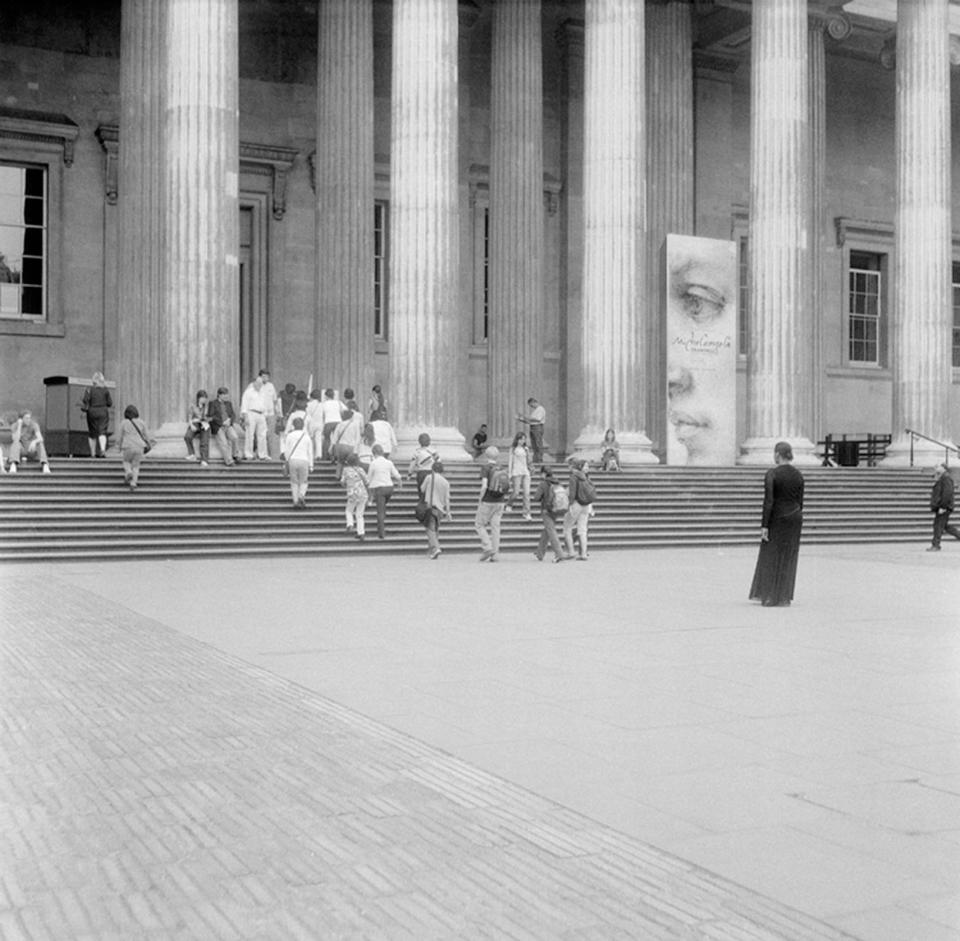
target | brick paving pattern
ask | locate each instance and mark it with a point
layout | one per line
(153, 787)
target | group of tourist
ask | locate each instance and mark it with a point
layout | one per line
(322, 426)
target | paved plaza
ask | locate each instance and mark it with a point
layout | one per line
(388, 747)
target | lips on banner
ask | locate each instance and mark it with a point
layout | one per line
(701, 354)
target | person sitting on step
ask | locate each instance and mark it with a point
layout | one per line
(27, 443)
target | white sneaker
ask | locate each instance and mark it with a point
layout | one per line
(13, 469)
(191, 457)
(46, 468)
(204, 464)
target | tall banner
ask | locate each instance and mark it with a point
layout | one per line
(701, 354)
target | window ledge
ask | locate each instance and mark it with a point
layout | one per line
(25, 328)
(859, 372)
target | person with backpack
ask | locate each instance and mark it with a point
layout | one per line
(422, 460)
(582, 496)
(494, 489)
(554, 502)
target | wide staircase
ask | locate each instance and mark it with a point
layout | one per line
(84, 511)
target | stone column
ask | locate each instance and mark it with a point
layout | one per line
(424, 243)
(140, 264)
(780, 360)
(922, 316)
(570, 38)
(822, 22)
(201, 167)
(515, 332)
(614, 292)
(344, 175)
(669, 50)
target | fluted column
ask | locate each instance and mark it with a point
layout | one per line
(669, 49)
(824, 20)
(780, 358)
(614, 316)
(344, 183)
(515, 331)
(424, 235)
(140, 266)
(922, 316)
(201, 115)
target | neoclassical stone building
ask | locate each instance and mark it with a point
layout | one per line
(466, 202)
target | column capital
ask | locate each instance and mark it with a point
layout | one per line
(830, 20)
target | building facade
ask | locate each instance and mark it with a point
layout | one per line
(466, 203)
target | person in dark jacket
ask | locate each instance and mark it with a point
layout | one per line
(776, 571)
(96, 405)
(941, 505)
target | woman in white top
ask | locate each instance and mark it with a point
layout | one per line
(382, 477)
(298, 450)
(518, 469)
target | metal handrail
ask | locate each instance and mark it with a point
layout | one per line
(947, 448)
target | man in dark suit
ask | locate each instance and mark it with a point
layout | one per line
(941, 504)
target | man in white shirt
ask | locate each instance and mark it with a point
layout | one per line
(272, 409)
(255, 426)
(536, 420)
(330, 412)
(384, 435)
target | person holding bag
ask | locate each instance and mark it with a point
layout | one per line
(298, 458)
(133, 442)
(434, 503)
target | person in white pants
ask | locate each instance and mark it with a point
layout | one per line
(255, 425)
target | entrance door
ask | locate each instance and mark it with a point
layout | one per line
(252, 318)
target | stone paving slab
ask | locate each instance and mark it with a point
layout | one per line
(154, 787)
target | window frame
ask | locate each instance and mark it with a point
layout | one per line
(47, 145)
(881, 276)
(43, 228)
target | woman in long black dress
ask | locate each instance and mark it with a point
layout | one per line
(776, 570)
(97, 404)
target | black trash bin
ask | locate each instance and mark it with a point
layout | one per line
(848, 453)
(65, 423)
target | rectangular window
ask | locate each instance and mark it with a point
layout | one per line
(865, 308)
(956, 315)
(23, 241)
(380, 269)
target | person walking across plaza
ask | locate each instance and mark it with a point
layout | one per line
(776, 572)
(298, 453)
(354, 481)
(577, 517)
(494, 489)
(422, 460)
(941, 505)
(535, 420)
(554, 502)
(382, 478)
(133, 440)
(435, 493)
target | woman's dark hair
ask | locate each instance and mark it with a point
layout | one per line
(131, 412)
(316, 394)
(202, 394)
(353, 459)
(517, 437)
(369, 436)
(784, 450)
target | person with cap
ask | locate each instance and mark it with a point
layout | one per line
(494, 489)
(941, 505)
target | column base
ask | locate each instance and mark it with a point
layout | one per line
(169, 440)
(449, 443)
(635, 447)
(759, 451)
(926, 455)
